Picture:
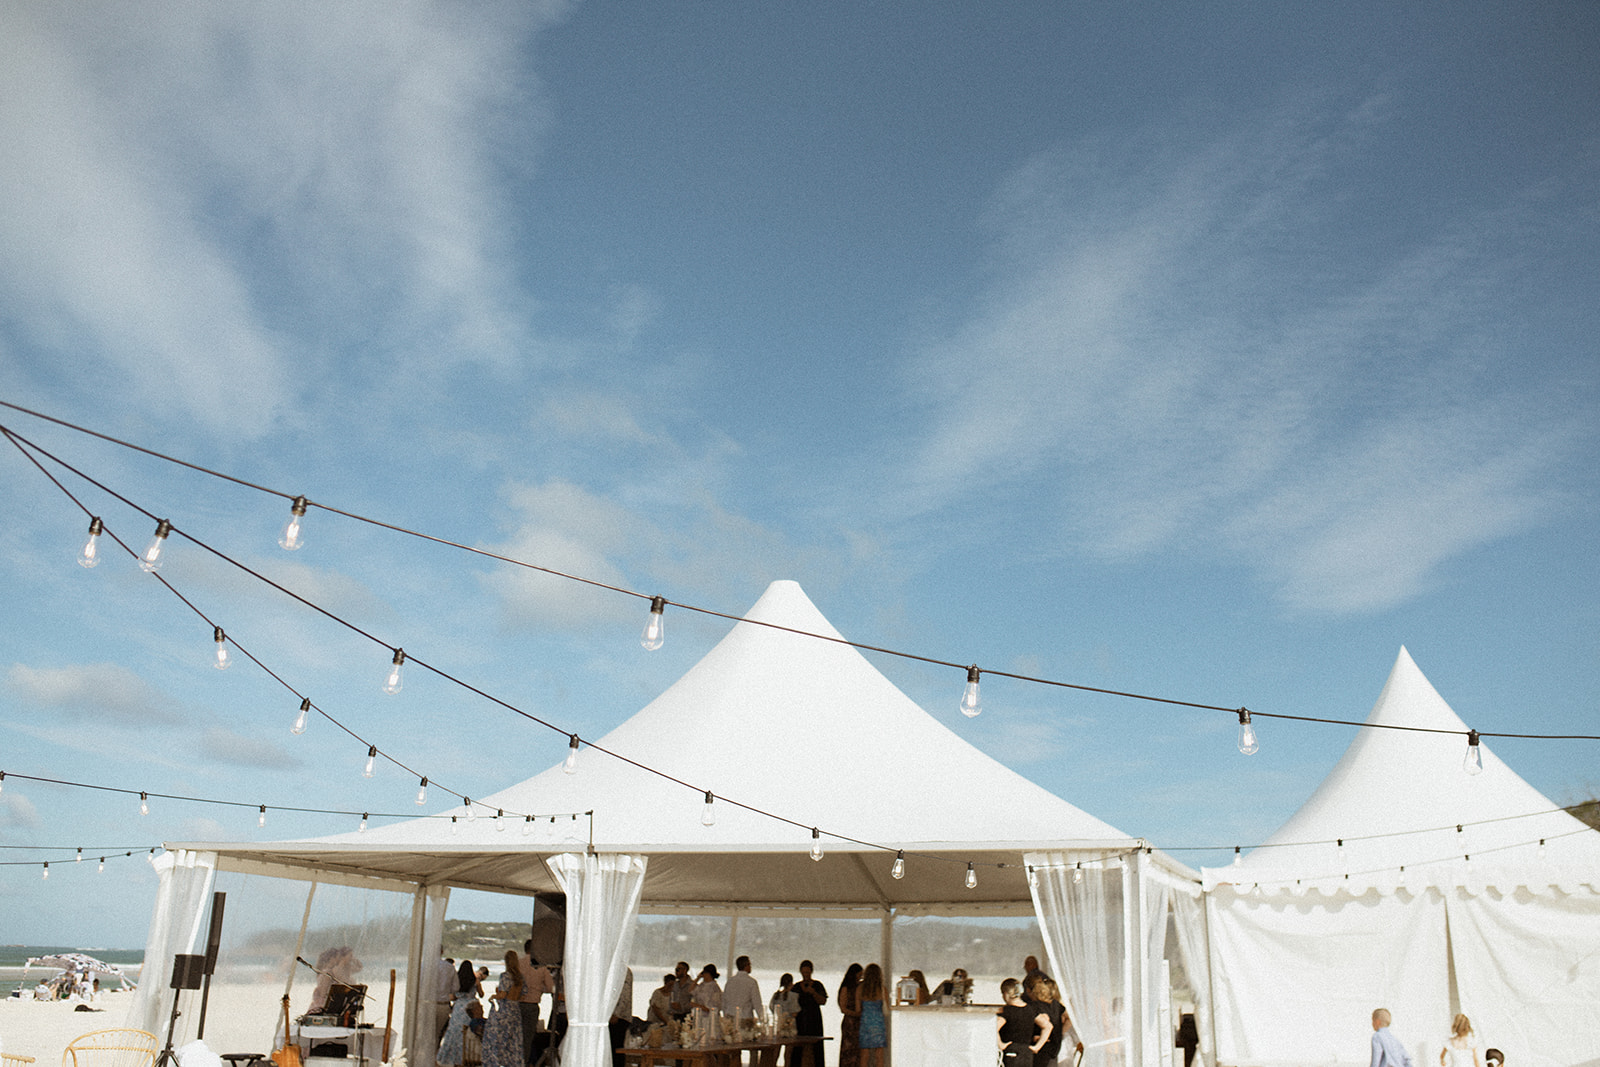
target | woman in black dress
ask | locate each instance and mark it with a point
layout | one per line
(1021, 1028)
(808, 1023)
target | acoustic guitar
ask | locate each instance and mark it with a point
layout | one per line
(289, 1054)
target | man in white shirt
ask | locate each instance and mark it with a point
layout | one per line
(742, 997)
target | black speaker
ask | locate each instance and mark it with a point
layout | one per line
(188, 971)
(214, 941)
(549, 930)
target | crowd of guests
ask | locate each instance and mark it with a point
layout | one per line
(510, 1031)
(1032, 1026)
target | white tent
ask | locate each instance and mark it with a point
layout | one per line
(803, 729)
(1405, 882)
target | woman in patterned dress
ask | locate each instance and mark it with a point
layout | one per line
(502, 1036)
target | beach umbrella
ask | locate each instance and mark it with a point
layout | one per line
(73, 961)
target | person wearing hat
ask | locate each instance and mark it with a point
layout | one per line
(707, 993)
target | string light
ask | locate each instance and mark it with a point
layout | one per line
(46, 870)
(292, 538)
(2, 781)
(527, 825)
(102, 868)
(1473, 763)
(220, 660)
(363, 827)
(300, 720)
(971, 705)
(452, 825)
(393, 682)
(422, 791)
(899, 868)
(1077, 874)
(500, 821)
(144, 804)
(1247, 734)
(1541, 848)
(372, 762)
(655, 627)
(571, 766)
(816, 844)
(1344, 861)
(472, 813)
(972, 877)
(152, 558)
(1238, 857)
(80, 854)
(1033, 878)
(261, 817)
(1403, 879)
(89, 555)
(708, 814)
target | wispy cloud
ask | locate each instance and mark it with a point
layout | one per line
(226, 746)
(173, 173)
(17, 812)
(94, 692)
(1174, 350)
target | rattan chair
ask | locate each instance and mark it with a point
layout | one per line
(14, 1059)
(111, 1048)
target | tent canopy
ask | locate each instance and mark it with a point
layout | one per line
(802, 728)
(1396, 798)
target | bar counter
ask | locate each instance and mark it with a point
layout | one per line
(943, 1035)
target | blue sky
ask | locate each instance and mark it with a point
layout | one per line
(1208, 355)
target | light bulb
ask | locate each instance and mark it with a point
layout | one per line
(1077, 873)
(655, 628)
(1033, 878)
(363, 827)
(221, 660)
(292, 537)
(372, 762)
(500, 821)
(102, 868)
(299, 726)
(452, 825)
(899, 868)
(80, 854)
(422, 791)
(393, 682)
(571, 766)
(527, 825)
(1238, 857)
(972, 877)
(1473, 764)
(46, 870)
(261, 818)
(2, 781)
(1402, 876)
(971, 705)
(816, 843)
(1247, 734)
(144, 803)
(472, 813)
(90, 555)
(708, 814)
(152, 558)
(1541, 848)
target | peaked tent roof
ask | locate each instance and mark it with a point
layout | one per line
(803, 728)
(1396, 798)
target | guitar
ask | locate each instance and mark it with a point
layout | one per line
(289, 1054)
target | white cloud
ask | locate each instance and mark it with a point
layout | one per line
(95, 692)
(17, 812)
(1171, 355)
(178, 176)
(226, 746)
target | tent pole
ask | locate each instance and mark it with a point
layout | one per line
(1208, 1026)
(733, 937)
(415, 986)
(886, 950)
(1132, 963)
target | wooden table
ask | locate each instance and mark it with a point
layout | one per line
(766, 1050)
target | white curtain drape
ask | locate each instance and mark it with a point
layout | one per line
(1156, 901)
(421, 1024)
(182, 895)
(602, 909)
(1528, 969)
(1189, 918)
(1079, 912)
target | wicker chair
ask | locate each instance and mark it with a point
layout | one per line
(111, 1048)
(14, 1059)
